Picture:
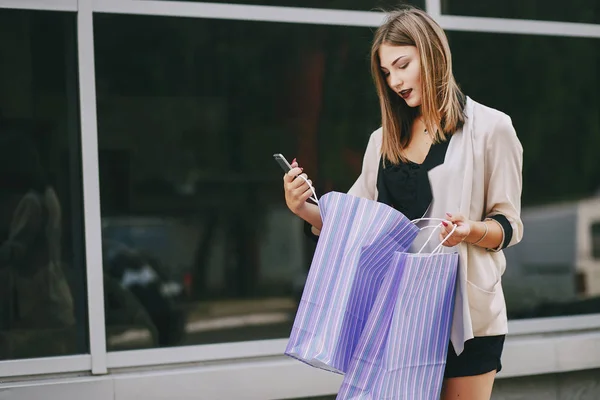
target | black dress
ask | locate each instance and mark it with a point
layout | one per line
(406, 187)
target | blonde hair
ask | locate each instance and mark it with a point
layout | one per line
(442, 103)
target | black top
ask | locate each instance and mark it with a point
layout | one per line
(405, 186)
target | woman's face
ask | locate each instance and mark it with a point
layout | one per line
(401, 66)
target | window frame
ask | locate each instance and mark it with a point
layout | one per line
(479, 22)
(40, 5)
(47, 365)
(99, 360)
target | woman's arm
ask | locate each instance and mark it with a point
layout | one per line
(502, 225)
(311, 214)
(504, 182)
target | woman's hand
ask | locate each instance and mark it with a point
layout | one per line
(463, 229)
(297, 190)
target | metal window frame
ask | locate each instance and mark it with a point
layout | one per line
(47, 5)
(511, 25)
(340, 17)
(192, 354)
(241, 12)
(99, 360)
(47, 365)
(519, 27)
(91, 186)
(518, 329)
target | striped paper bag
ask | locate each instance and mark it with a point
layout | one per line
(357, 242)
(402, 351)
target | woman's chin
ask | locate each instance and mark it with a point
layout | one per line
(412, 102)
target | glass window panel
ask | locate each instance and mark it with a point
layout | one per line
(587, 11)
(198, 244)
(361, 5)
(43, 308)
(549, 86)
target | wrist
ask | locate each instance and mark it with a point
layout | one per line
(478, 232)
(311, 214)
(300, 211)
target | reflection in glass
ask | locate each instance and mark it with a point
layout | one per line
(42, 271)
(586, 11)
(549, 87)
(198, 244)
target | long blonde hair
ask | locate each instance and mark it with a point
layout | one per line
(442, 104)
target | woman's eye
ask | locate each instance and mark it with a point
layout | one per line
(385, 73)
(404, 66)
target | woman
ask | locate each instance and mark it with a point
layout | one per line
(440, 154)
(36, 305)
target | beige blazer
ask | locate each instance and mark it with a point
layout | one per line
(481, 176)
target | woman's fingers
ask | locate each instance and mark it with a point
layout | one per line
(306, 195)
(292, 174)
(291, 181)
(455, 218)
(302, 188)
(447, 227)
(445, 231)
(299, 182)
(296, 183)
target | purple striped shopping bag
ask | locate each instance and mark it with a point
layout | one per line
(357, 242)
(402, 351)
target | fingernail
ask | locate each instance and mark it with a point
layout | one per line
(301, 169)
(448, 214)
(293, 161)
(445, 223)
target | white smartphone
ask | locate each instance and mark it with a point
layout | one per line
(283, 163)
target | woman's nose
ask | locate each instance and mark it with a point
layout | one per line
(395, 82)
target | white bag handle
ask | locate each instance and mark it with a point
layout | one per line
(439, 247)
(314, 196)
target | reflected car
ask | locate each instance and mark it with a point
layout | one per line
(143, 275)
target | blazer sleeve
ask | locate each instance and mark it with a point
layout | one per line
(503, 177)
(365, 185)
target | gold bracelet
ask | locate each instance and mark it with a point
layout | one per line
(487, 229)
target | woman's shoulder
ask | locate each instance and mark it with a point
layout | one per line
(377, 135)
(375, 142)
(486, 114)
(494, 125)
(488, 120)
